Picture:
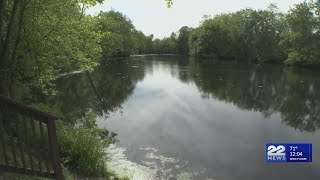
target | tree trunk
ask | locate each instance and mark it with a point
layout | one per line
(20, 25)
(5, 78)
(3, 90)
(2, 8)
(7, 41)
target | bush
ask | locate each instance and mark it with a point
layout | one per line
(82, 149)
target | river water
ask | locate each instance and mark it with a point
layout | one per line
(177, 118)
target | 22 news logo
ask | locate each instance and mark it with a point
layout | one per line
(276, 153)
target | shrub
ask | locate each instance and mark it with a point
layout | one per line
(83, 149)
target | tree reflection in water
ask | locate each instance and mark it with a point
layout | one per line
(295, 93)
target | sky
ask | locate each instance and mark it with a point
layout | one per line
(153, 16)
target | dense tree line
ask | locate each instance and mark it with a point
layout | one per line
(177, 43)
(42, 39)
(119, 38)
(253, 35)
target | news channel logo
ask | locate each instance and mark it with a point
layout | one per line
(289, 152)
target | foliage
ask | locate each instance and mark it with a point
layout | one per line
(52, 37)
(247, 34)
(182, 40)
(166, 45)
(301, 38)
(169, 3)
(143, 44)
(83, 149)
(119, 36)
(253, 36)
(88, 95)
(117, 39)
(41, 39)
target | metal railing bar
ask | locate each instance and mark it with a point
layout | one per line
(39, 157)
(24, 109)
(3, 142)
(31, 140)
(27, 147)
(13, 146)
(54, 149)
(42, 150)
(13, 169)
(29, 144)
(20, 137)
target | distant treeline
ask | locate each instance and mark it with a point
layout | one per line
(41, 40)
(292, 38)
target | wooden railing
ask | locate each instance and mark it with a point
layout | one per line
(28, 141)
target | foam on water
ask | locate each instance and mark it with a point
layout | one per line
(118, 163)
(155, 166)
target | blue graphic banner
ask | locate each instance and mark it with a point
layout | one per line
(289, 152)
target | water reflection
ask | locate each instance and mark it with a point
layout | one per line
(217, 117)
(268, 89)
(97, 93)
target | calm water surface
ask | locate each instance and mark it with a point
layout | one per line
(209, 121)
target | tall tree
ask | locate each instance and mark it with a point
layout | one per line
(301, 39)
(182, 40)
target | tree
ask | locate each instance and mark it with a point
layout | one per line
(119, 36)
(166, 45)
(301, 38)
(182, 40)
(37, 43)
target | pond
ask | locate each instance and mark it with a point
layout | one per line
(177, 118)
